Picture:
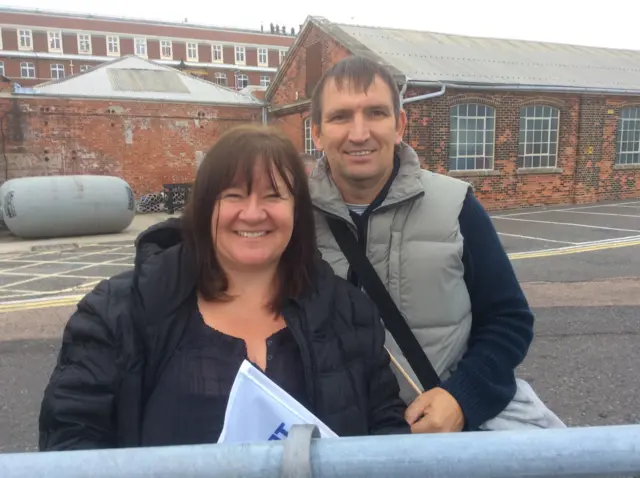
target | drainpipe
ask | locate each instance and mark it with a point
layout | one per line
(413, 99)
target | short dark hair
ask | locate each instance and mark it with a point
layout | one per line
(359, 73)
(235, 153)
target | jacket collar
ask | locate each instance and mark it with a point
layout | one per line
(327, 197)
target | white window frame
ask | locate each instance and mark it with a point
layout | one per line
(84, 38)
(240, 55)
(539, 137)
(192, 51)
(1, 44)
(215, 49)
(54, 36)
(237, 76)
(309, 145)
(2, 68)
(85, 68)
(265, 80)
(283, 55)
(58, 68)
(140, 47)
(221, 76)
(166, 44)
(25, 39)
(477, 121)
(113, 40)
(628, 137)
(29, 67)
(263, 57)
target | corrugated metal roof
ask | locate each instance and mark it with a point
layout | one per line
(436, 57)
(146, 80)
(133, 78)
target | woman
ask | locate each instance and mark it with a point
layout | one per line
(150, 355)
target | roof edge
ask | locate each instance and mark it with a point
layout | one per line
(527, 88)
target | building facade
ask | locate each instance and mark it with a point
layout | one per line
(526, 123)
(37, 46)
(132, 118)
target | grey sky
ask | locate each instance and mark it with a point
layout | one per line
(613, 23)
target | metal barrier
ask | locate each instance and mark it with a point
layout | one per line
(573, 452)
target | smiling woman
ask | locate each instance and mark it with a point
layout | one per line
(150, 356)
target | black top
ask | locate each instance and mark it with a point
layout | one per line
(190, 398)
(123, 335)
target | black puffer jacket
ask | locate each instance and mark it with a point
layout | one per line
(118, 341)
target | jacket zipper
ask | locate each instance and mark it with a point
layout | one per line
(307, 357)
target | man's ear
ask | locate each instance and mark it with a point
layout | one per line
(401, 126)
(316, 136)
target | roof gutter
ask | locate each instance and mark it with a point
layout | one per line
(527, 88)
(413, 99)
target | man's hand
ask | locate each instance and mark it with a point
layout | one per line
(435, 411)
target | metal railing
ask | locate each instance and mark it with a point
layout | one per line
(573, 452)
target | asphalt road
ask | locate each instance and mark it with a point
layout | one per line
(585, 293)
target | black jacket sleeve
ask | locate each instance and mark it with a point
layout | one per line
(78, 408)
(386, 408)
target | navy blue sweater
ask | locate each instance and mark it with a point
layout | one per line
(502, 326)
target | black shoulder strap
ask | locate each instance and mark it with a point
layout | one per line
(391, 315)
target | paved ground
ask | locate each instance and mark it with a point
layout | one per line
(580, 268)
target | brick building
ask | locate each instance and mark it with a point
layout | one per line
(131, 117)
(527, 123)
(37, 46)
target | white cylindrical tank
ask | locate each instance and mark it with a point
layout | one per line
(62, 206)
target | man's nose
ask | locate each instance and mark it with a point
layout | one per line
(359, 132)
(253, 209)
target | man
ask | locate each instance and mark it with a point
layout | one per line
(430, 241)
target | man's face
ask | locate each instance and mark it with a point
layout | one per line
(358, 133)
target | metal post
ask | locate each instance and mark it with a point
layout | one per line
(573, 452)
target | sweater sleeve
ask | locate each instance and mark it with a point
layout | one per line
(502, 329)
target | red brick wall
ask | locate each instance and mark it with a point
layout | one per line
(585, 171)
(146, 144)
(295, 78)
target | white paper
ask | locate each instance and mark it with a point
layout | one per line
(259, 410)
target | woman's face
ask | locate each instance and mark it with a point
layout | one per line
(251, 231)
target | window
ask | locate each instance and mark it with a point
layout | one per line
(140, 46)
(113, 46)
(216, 53)
(84, 43)
(283, 54)
(263, 57)
(166, 50)
(265, 80)
(1, 47)
(221, 79)
(309, 145)
(242, 81)
(472, 137)
(57, 71)
(25, 40)
(628, 142)
(84, 68)
(538, 145)
(240, 55)
(27, 70)
(192, 51)
(1, 68)
(55, 42)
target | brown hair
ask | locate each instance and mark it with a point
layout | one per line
(235, 153)
(358, 73)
